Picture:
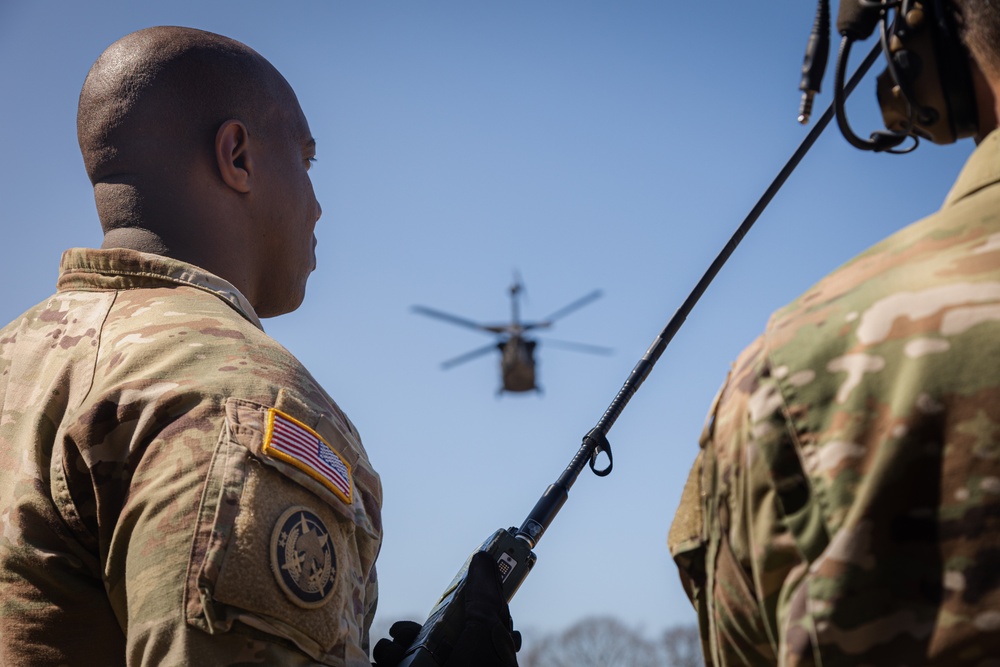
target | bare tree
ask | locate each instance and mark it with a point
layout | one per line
(600, 642)
(593, 642)
(681, 646)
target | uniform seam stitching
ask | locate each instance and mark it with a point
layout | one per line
(97, 352)
(71, 502)
(819, 492)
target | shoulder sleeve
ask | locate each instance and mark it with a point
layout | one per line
(742, 567)
(280, 566)
(288, 533)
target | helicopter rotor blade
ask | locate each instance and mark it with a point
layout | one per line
(576, 347)
(565, 310)
(454, 319)
(468, 356)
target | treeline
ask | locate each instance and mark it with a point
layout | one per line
(602, 641)
(607, 642)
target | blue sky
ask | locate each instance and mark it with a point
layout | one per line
(586, 144)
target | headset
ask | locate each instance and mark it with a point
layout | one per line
(926, 90)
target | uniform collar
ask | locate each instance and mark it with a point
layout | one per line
(119, 268)
(981, 170)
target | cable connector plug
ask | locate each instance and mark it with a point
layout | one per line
(814, 62)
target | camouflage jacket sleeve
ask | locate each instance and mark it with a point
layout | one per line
(738, 560)
(845, 506)
(176, 489)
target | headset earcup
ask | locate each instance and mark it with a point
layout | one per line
(927, 89)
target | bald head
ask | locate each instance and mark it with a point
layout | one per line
(151, 105)
(198, 150)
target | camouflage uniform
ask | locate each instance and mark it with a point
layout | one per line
(151, 512)
(845, 506)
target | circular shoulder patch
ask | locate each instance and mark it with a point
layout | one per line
(302, 557)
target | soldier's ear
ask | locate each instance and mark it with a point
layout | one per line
(233, 155)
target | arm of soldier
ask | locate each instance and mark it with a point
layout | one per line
(722, 522)
(371, 597)
(770, 513)
(151, 552)
(222, 559)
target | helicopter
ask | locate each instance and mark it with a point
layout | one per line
(517, 351)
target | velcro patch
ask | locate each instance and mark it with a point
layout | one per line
(302, 557)
(291, 441)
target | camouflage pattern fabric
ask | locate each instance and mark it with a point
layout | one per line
(142, 519)
(845, 505)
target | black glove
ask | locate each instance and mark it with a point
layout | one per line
(389, 653)
(488, 638)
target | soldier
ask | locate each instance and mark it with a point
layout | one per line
(175, 487)
(844, 508)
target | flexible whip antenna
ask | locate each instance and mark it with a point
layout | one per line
(596, 440)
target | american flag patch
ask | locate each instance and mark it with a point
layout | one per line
(293, 442)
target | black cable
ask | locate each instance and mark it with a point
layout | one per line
(879, 141)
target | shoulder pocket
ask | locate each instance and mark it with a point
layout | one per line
(288, 531)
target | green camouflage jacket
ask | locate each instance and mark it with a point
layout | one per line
(845, 506)
(175, 488)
